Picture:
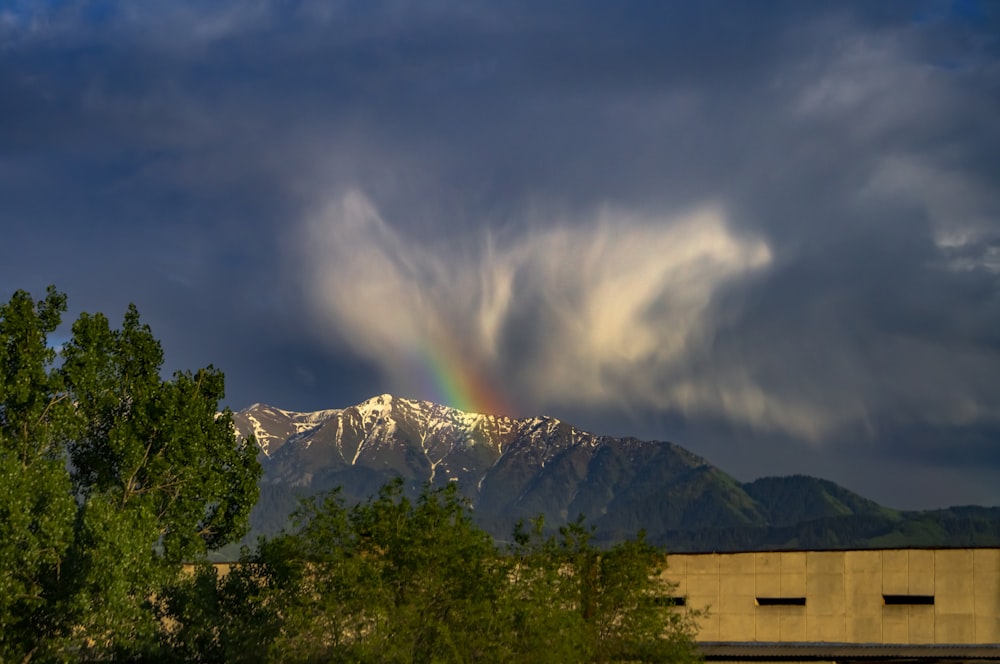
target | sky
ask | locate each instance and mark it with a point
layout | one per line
(767, 231)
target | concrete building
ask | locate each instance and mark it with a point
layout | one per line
(889, 605)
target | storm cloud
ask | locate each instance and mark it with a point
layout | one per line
(768, 231)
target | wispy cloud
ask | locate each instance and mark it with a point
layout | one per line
(614, 308)
(832, 274)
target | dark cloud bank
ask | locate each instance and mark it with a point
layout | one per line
(768, 231)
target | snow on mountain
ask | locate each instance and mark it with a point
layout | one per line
(515, 469)
(379, 432)
(507, 467)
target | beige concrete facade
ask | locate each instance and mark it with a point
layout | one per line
(898, 596)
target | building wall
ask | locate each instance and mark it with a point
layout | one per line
(845, 595)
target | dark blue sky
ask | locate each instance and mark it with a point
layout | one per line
(767, 231)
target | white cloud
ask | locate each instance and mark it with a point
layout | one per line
(615, 308)
(618, 308)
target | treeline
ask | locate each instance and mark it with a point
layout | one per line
(111, 478)
(955, 527)
(395, 580)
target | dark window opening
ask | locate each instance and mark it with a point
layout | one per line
(781, 601)
(908, 599)
(669, 601)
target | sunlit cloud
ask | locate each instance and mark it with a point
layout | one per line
(615, 308)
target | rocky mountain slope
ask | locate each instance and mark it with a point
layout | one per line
(512, 469)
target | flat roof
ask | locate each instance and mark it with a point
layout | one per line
(845, 652)
(835, 549)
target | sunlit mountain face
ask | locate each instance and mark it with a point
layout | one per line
(514, 469)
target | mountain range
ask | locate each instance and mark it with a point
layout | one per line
(516, 469)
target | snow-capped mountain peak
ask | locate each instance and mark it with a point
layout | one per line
(495, 459)
(511, 469)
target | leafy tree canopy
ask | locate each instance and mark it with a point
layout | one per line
(110, 476)
(391, 580)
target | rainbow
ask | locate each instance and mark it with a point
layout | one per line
(449, 379)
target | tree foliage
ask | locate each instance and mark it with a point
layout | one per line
(394, 580)
(580, 603)
(110, 476)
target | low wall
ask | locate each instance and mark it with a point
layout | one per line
(904, 596)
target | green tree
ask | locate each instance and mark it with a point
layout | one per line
(111, 477)
(581, 603)
(395, 580)
(388, 580)
(36, 500)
